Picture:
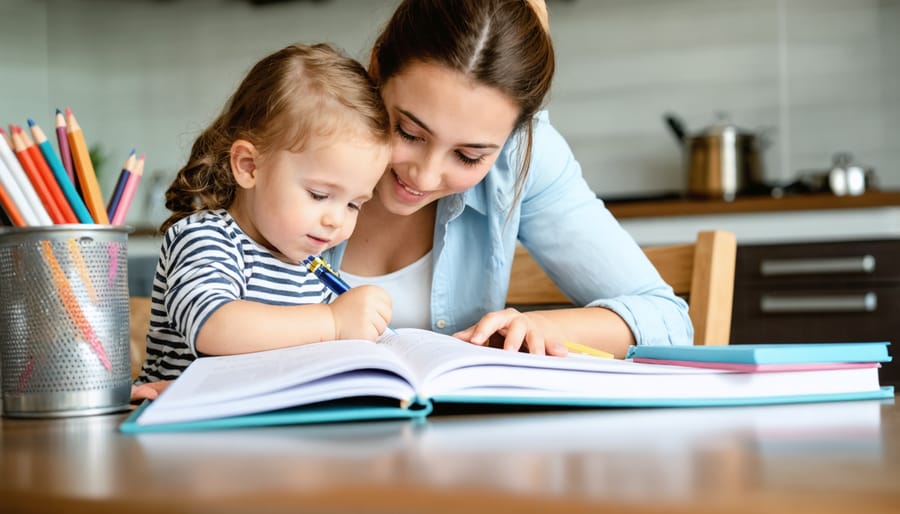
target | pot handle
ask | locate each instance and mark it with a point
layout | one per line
(677, 127)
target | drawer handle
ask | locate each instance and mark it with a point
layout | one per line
(777, 267)
(864, 302)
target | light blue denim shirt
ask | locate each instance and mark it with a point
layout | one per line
(567, 230)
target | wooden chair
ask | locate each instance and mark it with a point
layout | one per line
(140, 322)
(702, 272)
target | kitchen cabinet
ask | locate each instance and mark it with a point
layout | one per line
(819, 292)
(813, 268)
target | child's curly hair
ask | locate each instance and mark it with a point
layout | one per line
(288, 97)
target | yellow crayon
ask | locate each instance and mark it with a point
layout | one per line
(587, 350)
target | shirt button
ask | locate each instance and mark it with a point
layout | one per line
(440, 323)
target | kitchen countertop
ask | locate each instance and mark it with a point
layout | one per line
(765, 220)
(749, 204)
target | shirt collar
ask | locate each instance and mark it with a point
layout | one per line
(476, 197)
(449, 207)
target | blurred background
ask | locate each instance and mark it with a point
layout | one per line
(815, 77)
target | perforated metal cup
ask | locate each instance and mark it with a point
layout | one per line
(64, 336)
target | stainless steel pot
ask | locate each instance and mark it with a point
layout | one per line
(721, 160)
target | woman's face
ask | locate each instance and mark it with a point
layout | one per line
(448, 131)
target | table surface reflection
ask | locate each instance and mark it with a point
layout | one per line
(829, 457)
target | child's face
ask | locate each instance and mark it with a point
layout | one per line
(448, 131)
(298, 204)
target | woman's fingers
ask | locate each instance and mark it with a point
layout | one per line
(514, 328)
(556, 349)
(489, 324)
(466, 335)
(519, 332)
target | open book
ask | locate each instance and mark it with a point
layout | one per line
(405, 374)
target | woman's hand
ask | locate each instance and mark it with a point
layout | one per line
(515, 328)
(361, 313)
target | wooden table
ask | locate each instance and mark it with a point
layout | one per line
(816, 458)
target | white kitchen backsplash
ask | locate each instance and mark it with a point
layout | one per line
(819, 76)
(822, 75)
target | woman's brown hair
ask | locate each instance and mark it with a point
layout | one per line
(503, 44)
(288, 97)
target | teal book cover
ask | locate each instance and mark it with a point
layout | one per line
(413, 373)
(333, 413)
(773, 353)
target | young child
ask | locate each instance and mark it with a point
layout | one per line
(278, 176)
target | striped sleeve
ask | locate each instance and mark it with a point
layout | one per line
(206, 261)
(205, 272)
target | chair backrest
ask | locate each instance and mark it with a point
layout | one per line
(702, 272)
(140, 323)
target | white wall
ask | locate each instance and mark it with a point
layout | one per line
(824, 75)
(821, 74)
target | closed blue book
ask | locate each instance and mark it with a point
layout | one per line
(777, 353)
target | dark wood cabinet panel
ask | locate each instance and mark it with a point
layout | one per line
(850, 262)
(819, 292)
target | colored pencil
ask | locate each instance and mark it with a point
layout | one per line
(70, 302)
(44, 169)
(59, 173)
(42, 217)
(25, 376)
(65, 154)
(6, 138)
(35, 177)
(87, 178)
(17, 196)
(128, 193)
(78, 259)
(113, 272)
(10, 208)
(120, 184)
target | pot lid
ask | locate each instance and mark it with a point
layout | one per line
(724, 127)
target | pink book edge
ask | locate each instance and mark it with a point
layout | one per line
(762, 367)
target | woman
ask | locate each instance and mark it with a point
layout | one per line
(475, 167)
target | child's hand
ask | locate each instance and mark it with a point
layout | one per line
(361, 313)
(516, 328)
(149, 391)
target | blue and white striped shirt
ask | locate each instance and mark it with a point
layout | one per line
(206, 261)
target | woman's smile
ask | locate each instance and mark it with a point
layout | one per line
(405, 192)
(406, 186)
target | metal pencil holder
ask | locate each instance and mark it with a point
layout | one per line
(64, 336)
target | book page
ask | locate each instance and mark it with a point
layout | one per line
(212, 381)
(449, 369)
(357, 383)
(441, 363)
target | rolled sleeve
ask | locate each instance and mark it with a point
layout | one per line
(587, 253)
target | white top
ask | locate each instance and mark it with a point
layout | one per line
(410, 290)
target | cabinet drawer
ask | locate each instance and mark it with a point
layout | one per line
(831, 263)
(803, 315)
